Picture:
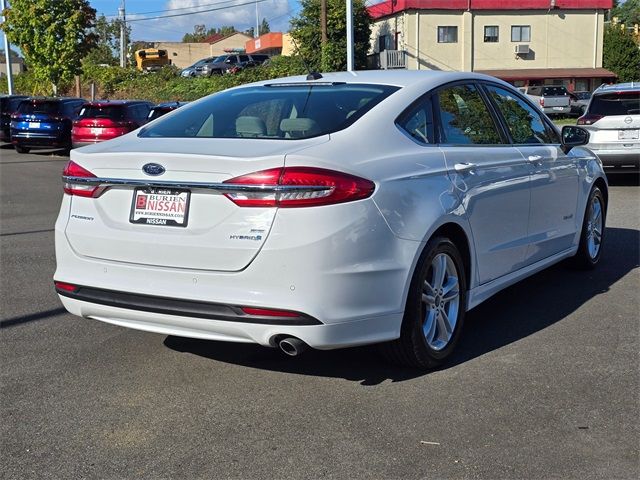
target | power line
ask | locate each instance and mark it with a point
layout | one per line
(199, 11)
(176, 9)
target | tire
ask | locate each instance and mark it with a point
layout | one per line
(20, 149)
(592, 233)
(426, 338)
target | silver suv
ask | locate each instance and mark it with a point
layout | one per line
(613, 121)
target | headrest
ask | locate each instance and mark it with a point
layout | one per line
(250, 127)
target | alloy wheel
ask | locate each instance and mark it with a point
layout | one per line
(440, 301)
(594, 227)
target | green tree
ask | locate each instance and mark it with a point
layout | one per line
(107, 47)
(200, 34)
(627, 12)
(53, 36)
(621, 54)
(264, 27)
(305, 30)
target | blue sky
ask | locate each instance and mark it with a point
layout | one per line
(277, 13)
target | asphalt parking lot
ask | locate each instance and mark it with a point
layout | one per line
(545, 383)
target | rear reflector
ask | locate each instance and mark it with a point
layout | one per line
(266, 312)
(325, 187)
(67, 287)
(74, 170)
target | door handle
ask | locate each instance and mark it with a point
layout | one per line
(464, 167)
(534, 158)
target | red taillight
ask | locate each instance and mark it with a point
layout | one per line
(542, 101)
(266, 312)
(67, 287)
(588, 119)
(72, 169)
(326, 187)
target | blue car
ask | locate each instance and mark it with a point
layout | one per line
(44, 123)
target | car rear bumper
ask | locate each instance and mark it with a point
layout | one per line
(78, 144)
(356, 294)
(39, 140)
(320, 336)
(618, 157)
(557, 110)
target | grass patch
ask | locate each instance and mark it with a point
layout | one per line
(560, 122)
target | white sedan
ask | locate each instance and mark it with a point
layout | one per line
(327, 212)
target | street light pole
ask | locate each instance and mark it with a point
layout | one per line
(349, 35)
(257, 32)
(123, 26)
(7, 54)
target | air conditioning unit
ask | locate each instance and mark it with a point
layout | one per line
(522, 49)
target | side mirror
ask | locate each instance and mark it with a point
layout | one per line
(573, 136)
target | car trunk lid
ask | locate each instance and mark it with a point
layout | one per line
(206, 230)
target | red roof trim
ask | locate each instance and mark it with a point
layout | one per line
(542, 73)
(390, 7)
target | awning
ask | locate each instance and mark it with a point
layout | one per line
(543, 73)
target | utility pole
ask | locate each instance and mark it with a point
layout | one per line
(257, 32)
(7, 54)
(123, 27)
(349, 35)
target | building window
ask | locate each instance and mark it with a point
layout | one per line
(521, 33)
(447, 34)
(491, 34)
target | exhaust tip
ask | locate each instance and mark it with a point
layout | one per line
(292, 346)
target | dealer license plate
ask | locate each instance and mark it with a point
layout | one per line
(160, 206)
(34, 124)
(628, 134)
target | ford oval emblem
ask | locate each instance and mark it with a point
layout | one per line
(154, 169)
(628, 120)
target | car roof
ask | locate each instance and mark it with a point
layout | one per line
(53, 99)
(400, 78)
(106, 103)
(618, 87)
(170, 104)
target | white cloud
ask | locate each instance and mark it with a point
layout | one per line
(242, 17)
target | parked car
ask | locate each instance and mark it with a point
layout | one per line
(44, 123)
(579, 102)
(613, 121)
(552, 99)
(158, 110)
(343, 210)
(106, 119)
(8, 106)
(255, 61)
(191, 70)
(226, 63)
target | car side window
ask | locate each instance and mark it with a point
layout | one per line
(417, 121)
(524, 122)
(465, 118)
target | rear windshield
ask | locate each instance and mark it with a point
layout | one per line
(45, 107)
(113, 112)
(554, 91)
(290, 111)
(626, 103)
